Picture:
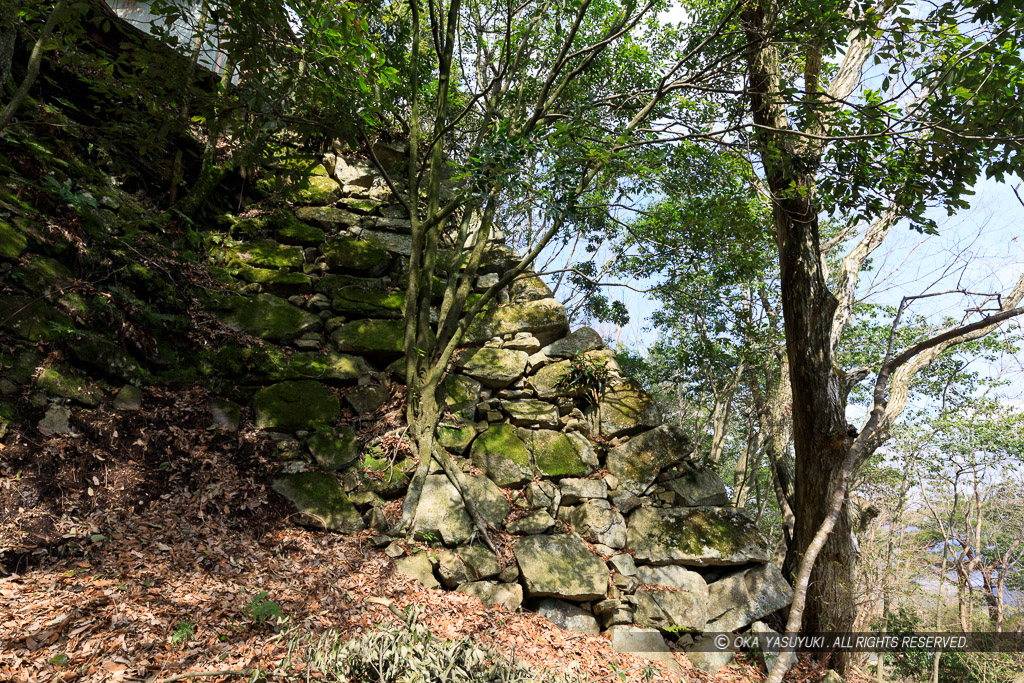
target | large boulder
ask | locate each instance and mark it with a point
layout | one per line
(672, 610)
(579, 342)
(320, 501)
(698, 486)
(529, 412)
(568, 617)
(368, 303)
(561, 566)
(417, 567)
(744, 597)
(327, 217)
(502, 456)
(560, 454)
(442, 512)
(107, 358)
(548, 384)
(638, 462)
(334, 450)
(625, 408)
(32, 319)
(544, 319)
(291, 406)
(596, 521)
(495, 368)
(339, 367)
(384, 338)
(264, 254)
(698, 536)
(352, 255)
(266, 316)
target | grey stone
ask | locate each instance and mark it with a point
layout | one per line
(394, 551)
(334, 450)
(509, 574)
(451, 569)
(495, 368)
(568, 617)
(699, 487)
(537, 523)
(418, 567)
(698, 536)
(523, 341)
(577, 490)
(672, 610)
(560, 454)
(672, 576)
(560, 566)
(711, 662)
(368, 399)
(764, 654)
(579, 342)
(529, 289)
(128, 397)
(638, 462)
(480, 562)
(623, 564)
(389, 241)
(746, 596)
(529, 412)
(545, 319)
(541, 494)
(320, 501)
(56, 421)
(442, 512)
(462, 395)
(625, 408)
(597, 522)
(625, 502)
(495, 594)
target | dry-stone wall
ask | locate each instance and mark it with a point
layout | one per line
(612, 525)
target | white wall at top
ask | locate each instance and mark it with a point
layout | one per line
(137, 13)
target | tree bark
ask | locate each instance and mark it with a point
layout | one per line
(8, 38)
(35, 60)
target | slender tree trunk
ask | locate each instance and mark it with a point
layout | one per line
(35, 60)
(8, 38)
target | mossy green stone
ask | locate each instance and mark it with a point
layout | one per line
(547, 381)
(291, 406)
(355, 255)
(456, 439)
(33, 320)
(59, 381)
(371, 337)
(263, 254)
(559, 454)
(699, 536)
(300, 234)
(266, 316)
(12, 242)
(334, 450)
(284, 279)
(327, 217)
(357, 301)
(545, 319)
(315, 190)
(42, 276)
(108, 359)
(321, 501)
(339, 367)
(502, 456)
(462, 395)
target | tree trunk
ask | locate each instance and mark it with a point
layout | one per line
(35, 60)
(8, 38)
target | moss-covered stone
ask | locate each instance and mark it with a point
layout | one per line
(625, 408)
(368, 399)
(315, 190)
(262, 254)
(33, 320)
(456, 439)
(376, 303)
(639, 461)
(297, 233)
(321, 501)
(495, 368)
(547, 381)
(699, 536)
(371, 337)
(266, 316)
(502, 456)
(349, 254)
(332, 283)
(544, 319)
(42, 276)
(108, 359)
(561, 566)
(334, 450)
(22, 367)
(530, 412)
(12, 243)
(291, 406)
(60, 381)
(327, 217)
(462, 395)
(560, 454)
(339, 367)
(283, 279)
(442, 512)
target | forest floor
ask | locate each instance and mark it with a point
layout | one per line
(134, 551)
